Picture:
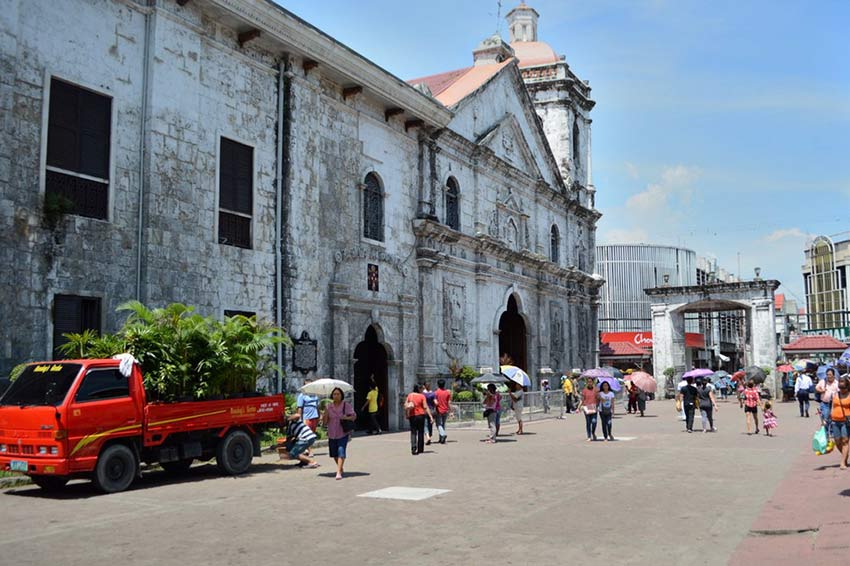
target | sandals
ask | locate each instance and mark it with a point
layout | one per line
(313, 466)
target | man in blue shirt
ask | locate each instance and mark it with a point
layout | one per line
(307, 407)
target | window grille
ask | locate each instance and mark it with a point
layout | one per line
(236, 193)
(554, 244)
(373, 209)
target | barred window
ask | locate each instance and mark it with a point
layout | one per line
(78, 133)
(236, 193)
(554, 244)
(373, 208)
(452, 204)
(73, 314)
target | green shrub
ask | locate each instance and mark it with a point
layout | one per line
(467, 373)
(669, 372)
(183, 354)
(465, 397)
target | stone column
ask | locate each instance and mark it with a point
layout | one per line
(340, 343)
(668, 342)
(764, 340)
(428, 316)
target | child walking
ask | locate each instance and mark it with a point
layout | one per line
(769, 418)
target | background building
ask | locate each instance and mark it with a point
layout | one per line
(825, 273)
(711, 339)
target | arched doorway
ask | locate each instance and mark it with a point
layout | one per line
(371, 359)
(512, 336)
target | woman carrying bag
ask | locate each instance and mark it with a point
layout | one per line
(339, 417)
(587, 405)
(840, 421)
(416, 407)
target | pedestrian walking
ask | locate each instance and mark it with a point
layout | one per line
(517, 397)
(802, 388)
(587, 405)
(567, 387)
(431, 400)
(299, 438)
(491, 398)
(688, 398)
(337, 412)
(371, 406)
(544, 389)
(707, 404)
(827, 388)
(444, 408)
(641, 401)
(682, 383)
(769, 418)
(606, 410)
(632, 405)
(307, 409)
(840, 420)
(752, 402)
(498, 412)
(417, 408)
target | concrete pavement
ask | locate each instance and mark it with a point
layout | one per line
(661, 497)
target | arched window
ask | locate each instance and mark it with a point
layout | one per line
(452, 204)
(373, 208)
(554, 244)
(576, 145)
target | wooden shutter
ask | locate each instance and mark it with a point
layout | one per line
(73, 314)
(236, 193)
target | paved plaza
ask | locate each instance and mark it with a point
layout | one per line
(657, 496)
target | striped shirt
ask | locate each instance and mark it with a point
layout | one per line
(300, 431)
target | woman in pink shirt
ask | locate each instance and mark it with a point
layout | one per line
(587, 405)
(336, 411)
(827, 388)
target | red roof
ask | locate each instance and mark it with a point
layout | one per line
(439, 83)
(816, 344)
(625, 349)
(780, 301)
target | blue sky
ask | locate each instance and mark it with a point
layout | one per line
(721, 126)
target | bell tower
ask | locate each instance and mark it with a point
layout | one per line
(522, 23)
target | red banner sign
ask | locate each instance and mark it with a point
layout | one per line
(644, 339)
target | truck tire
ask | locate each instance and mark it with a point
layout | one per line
(178, 466)
(50, 483)
(116, 469)
(234, 453)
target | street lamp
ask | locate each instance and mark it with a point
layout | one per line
(758, 273)
(666, 279)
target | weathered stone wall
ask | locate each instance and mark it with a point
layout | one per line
(98, 45)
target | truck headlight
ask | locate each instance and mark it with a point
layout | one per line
(42, 450)
(2, 448)
(54, 450)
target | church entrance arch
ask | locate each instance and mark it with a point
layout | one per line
(513, 335)
(370, 360)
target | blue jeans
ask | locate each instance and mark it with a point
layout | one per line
(337, 446)
(606, 424)
(826, 415)
(590, 423)
(441, 423)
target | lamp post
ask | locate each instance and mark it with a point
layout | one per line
(758, 273)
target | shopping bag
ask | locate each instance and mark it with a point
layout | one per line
(819, 441)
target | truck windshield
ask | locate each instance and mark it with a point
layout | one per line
(41, 384)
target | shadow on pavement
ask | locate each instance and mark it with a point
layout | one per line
(346, 475)
(86, 489)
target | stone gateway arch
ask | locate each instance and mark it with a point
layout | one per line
(670, 304)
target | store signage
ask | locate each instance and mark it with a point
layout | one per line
(644, 339)
(842, 333)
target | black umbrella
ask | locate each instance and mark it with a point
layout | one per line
(494, 378)
(755, 373)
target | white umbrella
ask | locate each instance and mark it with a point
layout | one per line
(325, 386)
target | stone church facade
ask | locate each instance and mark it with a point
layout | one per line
(225, 154)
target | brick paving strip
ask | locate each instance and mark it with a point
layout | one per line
(806, 521)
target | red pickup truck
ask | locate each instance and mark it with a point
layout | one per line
(85, 418)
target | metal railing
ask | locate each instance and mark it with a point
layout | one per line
(537, 405)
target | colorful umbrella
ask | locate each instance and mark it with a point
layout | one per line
(800, 365)
(719, 376)
(644, 381)
(699, 372)
(739, 375)
(596, 373)
(613, 371)
(844, 359)
(325, 386)
(516, 375)
(822, 371)
(785, 368)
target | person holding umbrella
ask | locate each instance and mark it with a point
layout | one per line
(490, 411)
(516, 393)
(687, 398)
(606, 409)
(336, 413)
(707, 404)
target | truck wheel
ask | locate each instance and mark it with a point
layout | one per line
(50, 483)
(116, 469)
(234, 453)
(178, 466)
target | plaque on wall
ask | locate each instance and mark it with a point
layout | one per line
(304, 353)
(372, 277)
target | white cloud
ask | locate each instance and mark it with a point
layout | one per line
(777, 235)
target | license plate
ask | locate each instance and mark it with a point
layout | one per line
(19, 465)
